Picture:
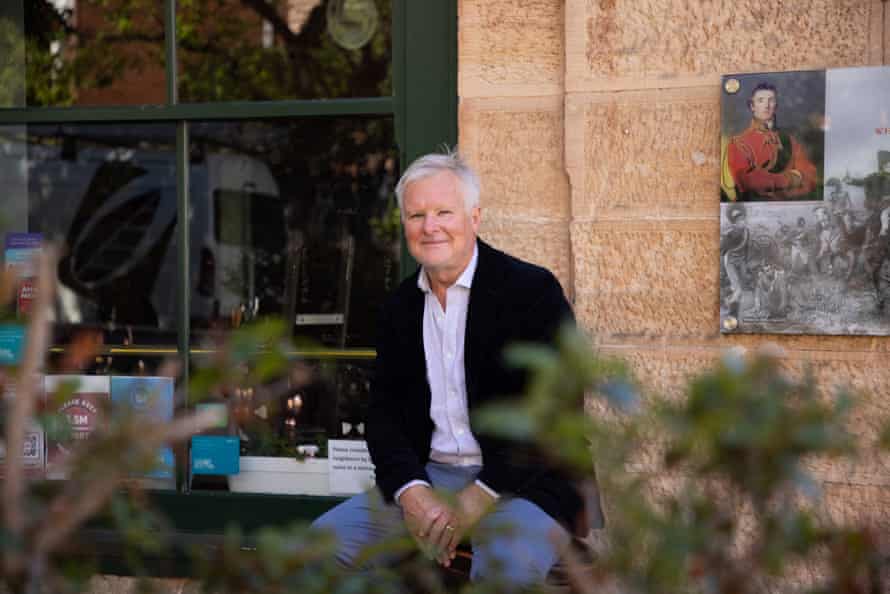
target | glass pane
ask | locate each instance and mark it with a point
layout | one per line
(297, 219)
(108, 389)
(106, 194)
(82, 52)
(12, 54)
(284, 49)
(286, 442)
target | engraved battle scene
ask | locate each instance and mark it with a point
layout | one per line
(805, 221)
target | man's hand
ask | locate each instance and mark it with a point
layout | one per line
(431, 521)
(437, 526)
(472, 503)
(795, 179)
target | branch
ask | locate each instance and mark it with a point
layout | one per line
(22, 406)
(271, 14)
(122, 38)
(75, 505)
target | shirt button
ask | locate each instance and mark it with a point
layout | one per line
(460, 432)
(448, 354)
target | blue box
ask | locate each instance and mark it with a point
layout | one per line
(150, 398)
(216, 454)
(12, 343)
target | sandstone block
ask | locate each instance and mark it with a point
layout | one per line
(858, 505)
(651, 154)
(646, 280)
(664, 372)
(509, 48)
(542, 241)
(627, 44)
(810, 343)
(516, 146)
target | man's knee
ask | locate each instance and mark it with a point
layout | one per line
(328, 521)
(335, 523)
(355, 524)
(518, 543)
(515, 562)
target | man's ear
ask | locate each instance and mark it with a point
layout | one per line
(476, 217)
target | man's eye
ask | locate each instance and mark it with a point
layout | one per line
(444, 212)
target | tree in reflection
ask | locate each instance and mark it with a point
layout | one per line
(253, 50)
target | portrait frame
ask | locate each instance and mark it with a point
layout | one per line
(814, 262)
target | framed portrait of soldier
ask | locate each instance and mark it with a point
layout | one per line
(805, 202)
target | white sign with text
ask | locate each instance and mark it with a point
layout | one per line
(349, 466)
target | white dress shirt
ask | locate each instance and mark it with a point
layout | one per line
(444, 333)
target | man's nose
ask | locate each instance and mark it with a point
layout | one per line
(429, 224)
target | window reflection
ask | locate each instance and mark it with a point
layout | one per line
(284, 49)
(328, 401)
(106, 194)
(294, 218)
(82, 52)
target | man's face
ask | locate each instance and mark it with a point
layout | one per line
(763, 105)
(439, 231)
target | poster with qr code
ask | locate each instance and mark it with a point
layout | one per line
(33, 446)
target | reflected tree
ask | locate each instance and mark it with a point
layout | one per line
(253, 50)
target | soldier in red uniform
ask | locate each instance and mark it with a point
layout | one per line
(764, 162)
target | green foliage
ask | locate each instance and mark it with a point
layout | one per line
(708, 493)
(12, 59)
(551, 413)
(250, 355)
(288, 559)
(388, 226)
(754, 425)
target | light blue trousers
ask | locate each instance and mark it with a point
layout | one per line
(516, 542)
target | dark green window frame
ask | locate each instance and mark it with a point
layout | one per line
(424, 108)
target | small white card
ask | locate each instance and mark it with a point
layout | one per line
(349, 467)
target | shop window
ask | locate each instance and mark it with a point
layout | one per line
(106, 195)
(279, 127)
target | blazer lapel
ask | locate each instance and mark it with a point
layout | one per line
(410, 355)
(415, 357)
(482, 316)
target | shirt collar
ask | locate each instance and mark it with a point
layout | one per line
(464, 280)
(767, 126)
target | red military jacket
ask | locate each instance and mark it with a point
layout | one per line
(769, 164)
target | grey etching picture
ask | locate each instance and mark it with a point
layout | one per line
(818, 266)
(814, 268)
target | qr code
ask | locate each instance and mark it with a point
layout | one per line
(31, 445)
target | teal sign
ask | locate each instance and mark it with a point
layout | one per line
(215, 454)
(12, 343)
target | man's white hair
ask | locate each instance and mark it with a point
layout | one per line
(433, 163)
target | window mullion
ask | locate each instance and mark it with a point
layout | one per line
(170, 52)
(182, 254)
(201, 111)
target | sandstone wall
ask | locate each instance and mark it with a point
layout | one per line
(511, 68)
(595, 125)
